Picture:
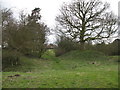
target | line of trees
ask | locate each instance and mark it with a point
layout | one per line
(24, 37)
(65, 45)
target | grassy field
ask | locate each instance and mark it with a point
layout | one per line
(87, 69)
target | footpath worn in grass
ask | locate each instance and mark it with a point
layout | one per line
(72, 70)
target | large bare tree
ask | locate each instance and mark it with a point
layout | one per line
(85, 21)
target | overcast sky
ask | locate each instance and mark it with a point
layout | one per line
(50, 8)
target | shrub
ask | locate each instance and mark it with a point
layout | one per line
(65, 45)
(10, 58)
(108, 49)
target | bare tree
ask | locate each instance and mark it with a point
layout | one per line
(85, 21)
(9, 27)
(28, 35)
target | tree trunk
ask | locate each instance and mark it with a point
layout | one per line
(82, 45)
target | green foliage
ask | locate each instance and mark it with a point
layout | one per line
(48, 54)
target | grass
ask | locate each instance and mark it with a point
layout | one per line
(72, 70)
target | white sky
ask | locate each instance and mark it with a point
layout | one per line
(50, 8)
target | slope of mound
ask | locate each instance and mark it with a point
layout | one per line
(87, 55)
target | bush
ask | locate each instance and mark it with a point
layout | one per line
(108, 49)
(35, 53)
(65, 45)
(59, 52)
(49, 54)
(10, 58)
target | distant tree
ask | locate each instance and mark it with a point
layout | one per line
(10, 54)
(24, 37)
(115, 50)
(9, 28)
(38, 32)
(15, 35)
(27, 35)
(86, 21)
(23, 18)
(64, 45)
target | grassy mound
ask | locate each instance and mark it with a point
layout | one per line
(68, 71)
(86, 55)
